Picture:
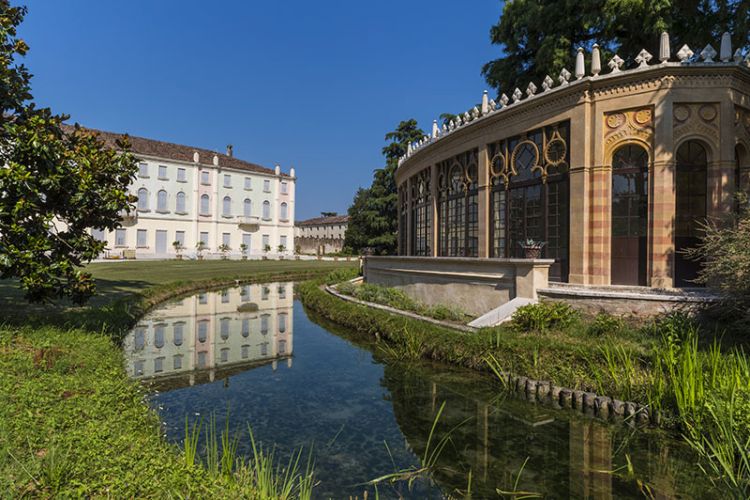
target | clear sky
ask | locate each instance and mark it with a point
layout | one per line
(310, 84)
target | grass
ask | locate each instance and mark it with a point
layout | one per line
(397, 299)
(72, 424)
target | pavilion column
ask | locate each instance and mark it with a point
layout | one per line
(409, 222)
(662, 199)
(600, 225)
(484, 202)
(434, 190)
(580, 196)
(661, 216)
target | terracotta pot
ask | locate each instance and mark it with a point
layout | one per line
(532, 252)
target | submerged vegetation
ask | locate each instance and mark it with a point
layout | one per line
(681, 370)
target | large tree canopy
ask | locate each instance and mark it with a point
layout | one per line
(540, 37)
(56, 184)
(373, 215)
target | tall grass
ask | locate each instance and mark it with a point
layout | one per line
(261, 473)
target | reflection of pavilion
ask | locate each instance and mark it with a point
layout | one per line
(213, 331)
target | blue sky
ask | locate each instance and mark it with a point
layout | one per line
(310, 84)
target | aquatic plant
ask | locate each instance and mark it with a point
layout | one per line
(544, 316)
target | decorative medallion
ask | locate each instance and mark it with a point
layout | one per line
(556, 150)
(526, 152)
(708, 112)
(642, 116)
(681, 113)
(615, 120)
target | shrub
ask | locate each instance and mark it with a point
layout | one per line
(604, 324)
(544, 316)
(340, 275)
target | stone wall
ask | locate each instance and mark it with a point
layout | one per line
(475, 286)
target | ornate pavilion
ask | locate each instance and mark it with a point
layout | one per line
(614, 172)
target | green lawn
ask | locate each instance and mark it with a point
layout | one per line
(72, 424)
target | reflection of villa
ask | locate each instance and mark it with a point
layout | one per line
(611, 169)
(213, 331)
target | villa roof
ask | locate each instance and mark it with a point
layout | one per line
(325, 220)
(179, 152)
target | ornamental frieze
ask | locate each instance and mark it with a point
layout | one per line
(627, 126)
(696, 119)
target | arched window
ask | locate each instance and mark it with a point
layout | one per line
(266, 209)
(205, 204)
(161, 201)
(690, 210)
(529, 195)
(247, 207)
(629, 216)
(180, 202)
(226, 206)
(284, 211)
(458, 207)
(143, 199)
(421, 213)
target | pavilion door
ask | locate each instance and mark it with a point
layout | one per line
(690, 210)
(629, 256)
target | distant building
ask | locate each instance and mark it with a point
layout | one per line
(321, 235)
(189, 194)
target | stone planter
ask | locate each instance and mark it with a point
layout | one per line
(532, 252)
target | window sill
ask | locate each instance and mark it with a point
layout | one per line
(248, 189)
(144, 210)
(121, 246)
(143, 176)
(182, 180)
(142, 246)
(163, 211)
(180, 213)
(227, 187)
(205, 183)
(163, 178)
(227, 216)
(205, 215)
(267, 219)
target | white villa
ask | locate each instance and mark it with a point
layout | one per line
(188, 194)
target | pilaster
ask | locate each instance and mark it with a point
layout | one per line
(434, 190)
(484, 202)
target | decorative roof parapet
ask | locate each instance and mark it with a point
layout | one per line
(488, 106)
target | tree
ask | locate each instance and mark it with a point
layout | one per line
(56, 184)
(373, 215)
(541, 37)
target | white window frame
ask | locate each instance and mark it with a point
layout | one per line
(205, 177)
(143, 170)
(181, 174)
(141, 238)
(163, 173)
(227, 180)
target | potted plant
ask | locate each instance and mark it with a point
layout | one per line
(224, 249)
(178, 248)
(200, 247)
(266, 249)
(243, 249)
(281, 249)
(532, 249)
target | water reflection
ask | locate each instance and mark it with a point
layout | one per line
(195, 339)
(366, 416)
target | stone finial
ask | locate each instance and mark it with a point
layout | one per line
(435, 129)
(459, 121)
(504, 100)
(409, 149)
(485, 103)
(196, 157)
(615, 64)
(664, 50)
(492, 105)
(451, 125)
(596, 61)
(738, 56)
(547, 83)
(708, 53)
(580, 69)
(467, 117)
(277, 170)
(644, 56)
(725, 50)
(685, 53)
(445, 128)
(474, 113)
(216, 160)
(292, 172)
(517, 95)
(564, 77)
(531, 89)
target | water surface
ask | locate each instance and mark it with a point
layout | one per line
(254, 352)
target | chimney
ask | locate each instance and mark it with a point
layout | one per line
(229, 150)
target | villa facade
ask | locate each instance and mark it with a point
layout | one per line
(321, 235)
(188, 195)
(612, 172)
